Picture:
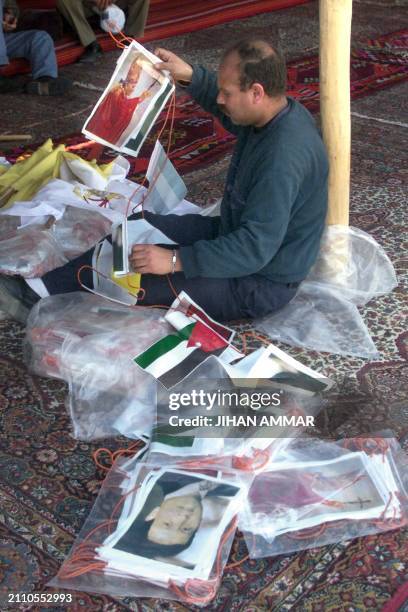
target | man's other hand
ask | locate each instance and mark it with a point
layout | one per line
(9, 21)
(178, 68)
(151, 259)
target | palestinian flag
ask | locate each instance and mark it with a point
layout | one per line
(173, 357)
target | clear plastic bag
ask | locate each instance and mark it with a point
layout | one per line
(319, 493)
(79, 230)
(351, 261)
(108, 394)
(319, 318)
(30, 253)
(90, 342)
(157, 532)
(352, 268)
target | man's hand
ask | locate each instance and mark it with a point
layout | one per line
(178, 68)
(103, 4)
(151, 259)
(145, 94)
(9, 21)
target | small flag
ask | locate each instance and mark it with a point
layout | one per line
(173, 357)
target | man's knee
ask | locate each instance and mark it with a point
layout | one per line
(42, 39)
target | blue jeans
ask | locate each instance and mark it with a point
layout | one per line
(34, 45)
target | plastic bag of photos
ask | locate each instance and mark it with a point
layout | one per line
(30, 252)
(75, 316)
(240, 414)
(91, 343)
(163, 532)
(319, 493)
(79, 230)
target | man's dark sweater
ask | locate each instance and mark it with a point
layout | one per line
(275, 200)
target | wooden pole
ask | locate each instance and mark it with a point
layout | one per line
(335, 35)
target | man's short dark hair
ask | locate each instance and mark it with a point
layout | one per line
(260, 63)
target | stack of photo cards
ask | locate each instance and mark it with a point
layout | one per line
(296, 496)
(131, 103)
(171, 524)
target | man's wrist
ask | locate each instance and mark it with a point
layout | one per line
(186, 81)
(175, 263)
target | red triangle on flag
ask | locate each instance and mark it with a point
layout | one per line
(205, 338)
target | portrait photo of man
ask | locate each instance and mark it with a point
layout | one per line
(176, 509)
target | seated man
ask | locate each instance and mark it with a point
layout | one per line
(249, 261)
(34, 45)
(77, 12)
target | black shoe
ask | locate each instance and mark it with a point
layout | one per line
(8, 86)
(91, 53)
(48, 86)
(16, 297)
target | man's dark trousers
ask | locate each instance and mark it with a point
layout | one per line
(224, 299)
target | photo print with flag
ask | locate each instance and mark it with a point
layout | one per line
(131, 103)
(196, 337)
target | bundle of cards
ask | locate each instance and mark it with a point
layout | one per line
(301, 504)
(169, 529)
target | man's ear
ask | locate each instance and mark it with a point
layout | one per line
(152, 515)
(258, 92)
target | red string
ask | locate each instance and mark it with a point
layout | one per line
(198, 591)
(370, 446)
(131, 450)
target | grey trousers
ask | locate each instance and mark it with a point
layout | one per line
(77, 12)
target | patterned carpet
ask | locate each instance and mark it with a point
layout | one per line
(48, 480)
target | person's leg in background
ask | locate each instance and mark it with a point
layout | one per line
(7, 85)
(38, 48)
(136, 16)
(76, 13)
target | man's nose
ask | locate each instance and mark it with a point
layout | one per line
(220, 98)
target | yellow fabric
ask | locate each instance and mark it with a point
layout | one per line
(130, 282)
(21, 181)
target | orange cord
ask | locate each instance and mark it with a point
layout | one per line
(131, 450)
(209, 587)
